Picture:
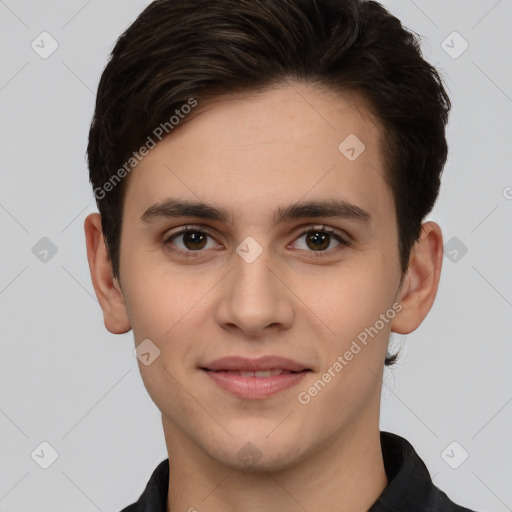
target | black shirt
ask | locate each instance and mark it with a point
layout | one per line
(410, 487)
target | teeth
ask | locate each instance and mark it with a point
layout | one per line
(260, 373)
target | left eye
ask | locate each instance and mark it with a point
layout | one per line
(318, 240)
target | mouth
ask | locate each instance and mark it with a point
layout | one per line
(273, 372)
(261, 364)
(255, 379)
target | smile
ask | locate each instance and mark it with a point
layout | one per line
(255, 385)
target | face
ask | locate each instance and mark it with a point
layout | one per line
(251, 274)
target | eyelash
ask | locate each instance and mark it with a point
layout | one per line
(315, 254)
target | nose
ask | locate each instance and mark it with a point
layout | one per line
(255, 299)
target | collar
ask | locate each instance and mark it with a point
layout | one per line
(410, 486)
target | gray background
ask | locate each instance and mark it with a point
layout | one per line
(66, 381)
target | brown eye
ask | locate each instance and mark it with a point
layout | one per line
(317, 240)
(320, 240)
(188, 241)
(194, 240)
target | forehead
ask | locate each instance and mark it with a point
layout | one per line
(277, 146)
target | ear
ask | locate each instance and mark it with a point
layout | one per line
(421, 281)
(107, 288)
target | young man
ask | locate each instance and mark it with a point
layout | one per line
(262, 170)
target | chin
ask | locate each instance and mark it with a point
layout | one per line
(258, 454)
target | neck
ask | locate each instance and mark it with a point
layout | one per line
(346, 475)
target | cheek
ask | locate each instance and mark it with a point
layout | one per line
(163, 310)
(359, 311)
(158, 296)
(169, 309)
(354, 298)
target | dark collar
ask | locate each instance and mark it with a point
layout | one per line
(410, 487)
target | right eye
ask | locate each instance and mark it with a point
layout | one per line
(192, 240)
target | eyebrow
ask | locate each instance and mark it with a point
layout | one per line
(331, 208)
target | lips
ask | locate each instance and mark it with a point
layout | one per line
(255, 379)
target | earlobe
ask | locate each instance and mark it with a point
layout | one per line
(421, 282)
(107, 288)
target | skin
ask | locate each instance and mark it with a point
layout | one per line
(251, 154)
